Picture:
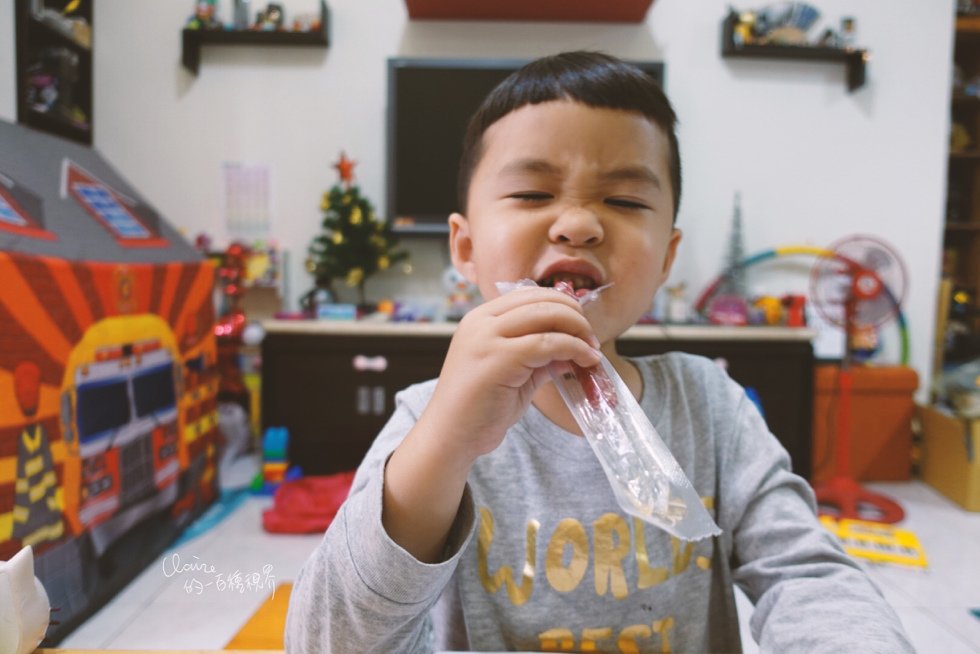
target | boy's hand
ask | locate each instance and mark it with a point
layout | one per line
(498, 358)
(496, 361)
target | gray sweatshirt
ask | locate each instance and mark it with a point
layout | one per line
(541, 557)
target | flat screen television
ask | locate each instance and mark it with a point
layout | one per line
(430, 102)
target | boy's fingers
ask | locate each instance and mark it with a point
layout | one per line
(542, 318)
(538, 350)
(507, 302)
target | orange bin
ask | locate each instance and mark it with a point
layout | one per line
(882, 407)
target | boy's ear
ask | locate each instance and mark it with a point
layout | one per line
(461, 246)
(671, 254)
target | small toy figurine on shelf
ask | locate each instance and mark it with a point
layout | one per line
(848, 32)
(462, 294)
(271, 19)
(770, 310)
(241, 14)
(228, 329)
(729, 310)
(795, 306)
(309, 22)
(785, 23)
(678, 308)
(205, 16)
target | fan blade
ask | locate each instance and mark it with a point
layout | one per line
(874, 311)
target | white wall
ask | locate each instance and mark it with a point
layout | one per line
(813, 162)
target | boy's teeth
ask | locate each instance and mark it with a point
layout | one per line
(576, 281)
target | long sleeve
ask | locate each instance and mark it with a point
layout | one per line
(556, 561)
(360, 591)
(809, 595)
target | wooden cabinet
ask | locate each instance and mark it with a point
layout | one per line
(54, 67)
(333, 384)
(959, 327)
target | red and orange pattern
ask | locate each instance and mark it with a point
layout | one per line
(47, 305)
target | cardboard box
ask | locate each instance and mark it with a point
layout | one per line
(951, 456)
(882, 408)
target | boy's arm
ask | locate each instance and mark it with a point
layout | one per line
(809, 595)
(395, 543)
(359, 591)
(495, 362)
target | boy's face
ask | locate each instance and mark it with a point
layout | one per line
(567, 191)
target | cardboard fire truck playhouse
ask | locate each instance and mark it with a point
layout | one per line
(108, 378)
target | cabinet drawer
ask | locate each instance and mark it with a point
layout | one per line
(335, 394)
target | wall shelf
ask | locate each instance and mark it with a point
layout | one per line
(52, 63)
(963, 227)
(965, 156)
(194, 39)
(622, 11)
(54, 123)
(855, 59)
(958, 332)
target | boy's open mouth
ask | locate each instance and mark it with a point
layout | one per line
(578, 282)
(579, 274)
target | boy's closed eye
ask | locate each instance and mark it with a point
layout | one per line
(540, 196)
(531, 196)
(626, 203)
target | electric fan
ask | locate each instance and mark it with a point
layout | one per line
(858, 287)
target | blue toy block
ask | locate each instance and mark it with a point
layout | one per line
(275, 444)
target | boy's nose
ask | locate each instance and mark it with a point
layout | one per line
(577, 226)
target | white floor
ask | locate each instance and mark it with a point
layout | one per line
(163, 609)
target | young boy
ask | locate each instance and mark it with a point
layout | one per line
(481, 520)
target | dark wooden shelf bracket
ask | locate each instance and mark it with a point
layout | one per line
(855, 59)
(193, 39)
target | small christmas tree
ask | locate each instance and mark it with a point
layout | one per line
(355, 242)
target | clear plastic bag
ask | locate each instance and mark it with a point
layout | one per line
(645, 477)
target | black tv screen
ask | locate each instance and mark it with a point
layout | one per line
(430, 102)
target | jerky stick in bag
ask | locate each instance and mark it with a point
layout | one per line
(645, 477)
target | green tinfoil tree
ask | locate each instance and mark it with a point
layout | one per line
(355, 242)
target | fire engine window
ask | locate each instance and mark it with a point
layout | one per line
(120, 221)
(196, 364)
(132, 223)
(102, 406)
(10, 215)
(153, 390)
(21, 210)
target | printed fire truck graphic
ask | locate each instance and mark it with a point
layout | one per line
(121, 403)
(123, 365)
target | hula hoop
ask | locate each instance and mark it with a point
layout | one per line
(791, 250)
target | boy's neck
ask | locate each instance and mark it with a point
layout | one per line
(548, 401)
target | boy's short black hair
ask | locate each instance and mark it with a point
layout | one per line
(593, 78)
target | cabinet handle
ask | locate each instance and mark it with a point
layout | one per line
(362, 363)
(363, 400)
(379, 396)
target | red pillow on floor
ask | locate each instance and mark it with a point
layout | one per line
(307, 505)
